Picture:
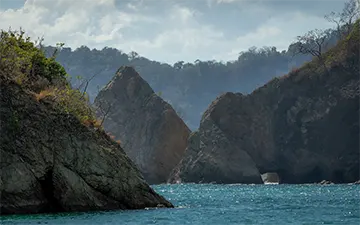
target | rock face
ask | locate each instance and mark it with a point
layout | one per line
(149, 129)
(304, 127)
(212, 158)
(50, 162)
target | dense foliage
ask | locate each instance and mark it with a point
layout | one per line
(23, 62)
(20, 57)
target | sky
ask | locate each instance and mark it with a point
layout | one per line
(169, 30)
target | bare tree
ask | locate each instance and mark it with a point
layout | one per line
(345, 19)
(58, 48)
(314, 43)
(39, 43)
(104, 107)
(85, 83)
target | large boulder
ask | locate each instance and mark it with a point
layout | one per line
(303, 126)
(149, 129)
(270, 177)
(212, 158)
(51, 162)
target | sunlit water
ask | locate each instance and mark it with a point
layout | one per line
(228, 204)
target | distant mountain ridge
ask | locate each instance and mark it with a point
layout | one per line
(188, 87)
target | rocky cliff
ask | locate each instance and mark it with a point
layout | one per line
(303, 126)
(50, 160)
(149, 129)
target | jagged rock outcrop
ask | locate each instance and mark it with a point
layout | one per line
(50, 162)
(303, 126)
(150, 131)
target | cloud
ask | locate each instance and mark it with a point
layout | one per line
(164, 30)
(183, 14)
(75, 22)
(225, 1)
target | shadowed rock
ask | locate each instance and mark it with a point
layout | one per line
(212, 157)
(150, 131)
(50, 162)
(303, 126)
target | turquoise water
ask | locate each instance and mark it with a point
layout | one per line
(229, 204)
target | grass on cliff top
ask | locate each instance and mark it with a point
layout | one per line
(26, 64)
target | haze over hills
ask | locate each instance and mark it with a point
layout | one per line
(170, 31)
(291, 112)
(188, 87)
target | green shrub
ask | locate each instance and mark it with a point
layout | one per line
(20, 57)
(26, 64)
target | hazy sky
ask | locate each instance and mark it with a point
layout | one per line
(169, 30)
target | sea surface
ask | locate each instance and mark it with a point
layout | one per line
(228, 204)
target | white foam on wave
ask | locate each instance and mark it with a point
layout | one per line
(271, 183)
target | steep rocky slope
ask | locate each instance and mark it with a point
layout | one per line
(50, 161)
(304, 127)
(149, 129)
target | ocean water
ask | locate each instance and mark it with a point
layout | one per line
(228, 204)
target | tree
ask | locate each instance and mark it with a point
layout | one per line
(133, 55)
(179, 65)
(314, 43)
(103, 108)
(85, 82)
(345, 19)
(58, 48)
